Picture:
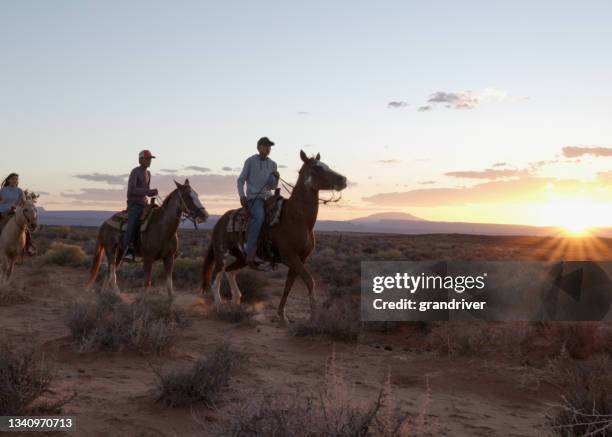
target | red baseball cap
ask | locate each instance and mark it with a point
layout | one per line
(146, 154)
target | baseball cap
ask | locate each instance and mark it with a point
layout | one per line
(146, 154)
(264, 141)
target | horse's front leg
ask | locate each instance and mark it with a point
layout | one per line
(168, 267)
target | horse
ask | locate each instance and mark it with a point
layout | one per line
(13, 235)
(293, 237)
(158, 242)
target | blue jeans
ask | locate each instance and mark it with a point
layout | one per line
(134, 211)
(257, 216)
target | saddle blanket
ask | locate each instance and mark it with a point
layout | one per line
(239, 218)
(119, 220)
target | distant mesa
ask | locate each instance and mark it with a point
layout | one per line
(386, 216)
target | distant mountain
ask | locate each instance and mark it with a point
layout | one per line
(391, 223)
(385, 216)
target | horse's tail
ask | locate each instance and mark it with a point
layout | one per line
(97, 260)
(207, 268)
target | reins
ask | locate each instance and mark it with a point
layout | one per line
(185, 213)
(332, 199)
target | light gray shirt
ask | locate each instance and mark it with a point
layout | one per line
(9, 196)
(257, 174)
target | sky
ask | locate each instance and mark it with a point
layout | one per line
(481, 111)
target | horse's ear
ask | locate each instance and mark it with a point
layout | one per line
(177, 184)
(303, 156)
(318, 157)
(186, 182)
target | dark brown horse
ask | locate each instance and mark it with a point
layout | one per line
(158, 241)
(293, 237)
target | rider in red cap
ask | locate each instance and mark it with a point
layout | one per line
(137, 192)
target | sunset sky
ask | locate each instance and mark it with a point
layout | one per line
(480, 111)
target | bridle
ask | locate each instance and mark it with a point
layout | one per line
(332, 199)
(19, 214)
(186, 213)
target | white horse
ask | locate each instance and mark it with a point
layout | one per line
(13, 235)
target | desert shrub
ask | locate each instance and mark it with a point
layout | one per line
(586, 408)
(202, 383)
(24, 377)
(108, 323)
(233, 313)
(338, 319)
(389, 254)
(252, 286)
(65, 255)
(188, 272)
(334, 410)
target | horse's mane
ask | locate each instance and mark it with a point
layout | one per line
(167, 198)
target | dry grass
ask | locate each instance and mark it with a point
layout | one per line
(148, 325)
(334, 410)
(24, 377)
(586, 407)
(228, 312)
(204, 382)
(338, 319)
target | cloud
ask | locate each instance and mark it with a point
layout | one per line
(388, 161)
(515, 190)
(499, 164)
(303, 113)
(397, 104)
(168, 170)
(457, 100)
(226, 168)
(204, 184)
(102, 177)
(536, 165)
(97, 194)
(427, 182)
(198, 169)
(282, 166)
(488, 173)
(465, 99)
(576, 151)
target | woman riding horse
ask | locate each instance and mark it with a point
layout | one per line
(10, 196)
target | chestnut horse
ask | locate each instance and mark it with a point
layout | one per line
(293, 237)
(13, 234)
(158, 241)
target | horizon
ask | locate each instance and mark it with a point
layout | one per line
(507, 121)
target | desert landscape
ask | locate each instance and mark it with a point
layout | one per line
(138, 364)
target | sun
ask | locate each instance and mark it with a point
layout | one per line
(576, 217)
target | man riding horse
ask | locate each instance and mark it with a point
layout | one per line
(137, 192)
(261, 177)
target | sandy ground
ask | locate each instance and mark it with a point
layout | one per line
(115, 391)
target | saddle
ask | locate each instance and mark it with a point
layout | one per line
(239, 220)
(120, 219)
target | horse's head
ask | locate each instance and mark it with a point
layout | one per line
(319, 176)
(190, 202)
(26, 212)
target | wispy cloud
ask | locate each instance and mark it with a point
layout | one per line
(427, 182)
(103, 177)
(168, 170)
(388, 161)
(397, 104)
(465, 99)
(303, 113)
(499, 164)
(198, 169)
(488, 173)
(513, 190)
(576, 151)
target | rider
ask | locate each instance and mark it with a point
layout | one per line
(260, 174)
(137, 192)
(10, 196)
